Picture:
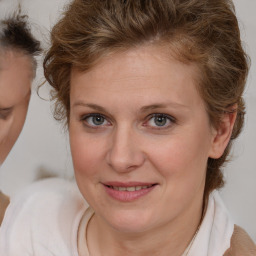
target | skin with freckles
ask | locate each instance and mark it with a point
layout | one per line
(16, 75)
(136, 119)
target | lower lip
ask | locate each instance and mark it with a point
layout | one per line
(128, 196)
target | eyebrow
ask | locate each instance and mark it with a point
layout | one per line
(5, 112)
(143, 109)
(6, 109)
(157, 106)
(90, 105)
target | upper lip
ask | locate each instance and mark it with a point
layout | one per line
(127, 184)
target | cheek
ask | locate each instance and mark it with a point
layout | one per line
(11, 129)
(86, 155)
(5, 143)
(183, 170)
(87, 162)
(181, 160)
(5, 128)
(19, 117)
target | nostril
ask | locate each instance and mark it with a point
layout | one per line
(124, 163)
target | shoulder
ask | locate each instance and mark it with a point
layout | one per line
(45, 196)
(51, 206)
(241, 244)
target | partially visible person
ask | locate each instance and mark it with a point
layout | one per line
(18, 49)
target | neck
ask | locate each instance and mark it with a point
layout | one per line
(173, 237)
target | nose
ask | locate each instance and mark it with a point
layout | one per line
(125, 154)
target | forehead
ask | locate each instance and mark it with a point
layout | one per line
(147, 71)
(16, 74)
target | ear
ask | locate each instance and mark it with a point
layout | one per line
(222, 134)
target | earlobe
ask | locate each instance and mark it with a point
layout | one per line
(223, 133)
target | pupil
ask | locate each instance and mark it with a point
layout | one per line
(98, 120)
(160, 120)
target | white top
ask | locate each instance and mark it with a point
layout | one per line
(214, 235)
(44, 220)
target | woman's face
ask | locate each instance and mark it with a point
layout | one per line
(15, 81)
(140, 139)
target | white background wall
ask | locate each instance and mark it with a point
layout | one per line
(44, 145)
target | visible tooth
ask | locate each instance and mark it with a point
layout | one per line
(130, 189)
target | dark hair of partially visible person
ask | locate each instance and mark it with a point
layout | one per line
(15, 35)
(203, 32)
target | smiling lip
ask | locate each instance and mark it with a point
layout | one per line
(127, 192)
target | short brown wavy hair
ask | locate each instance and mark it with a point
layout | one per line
(203, 32)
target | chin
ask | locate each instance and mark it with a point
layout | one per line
(130, 221)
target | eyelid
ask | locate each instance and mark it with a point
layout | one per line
(161, 114)
(83, 117)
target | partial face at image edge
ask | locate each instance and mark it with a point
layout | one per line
(16, 75)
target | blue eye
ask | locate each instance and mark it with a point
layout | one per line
(95, 120)
(160, 121)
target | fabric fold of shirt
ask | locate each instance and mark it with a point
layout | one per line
(214, 235)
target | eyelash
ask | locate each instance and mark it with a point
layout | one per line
(169, 118)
